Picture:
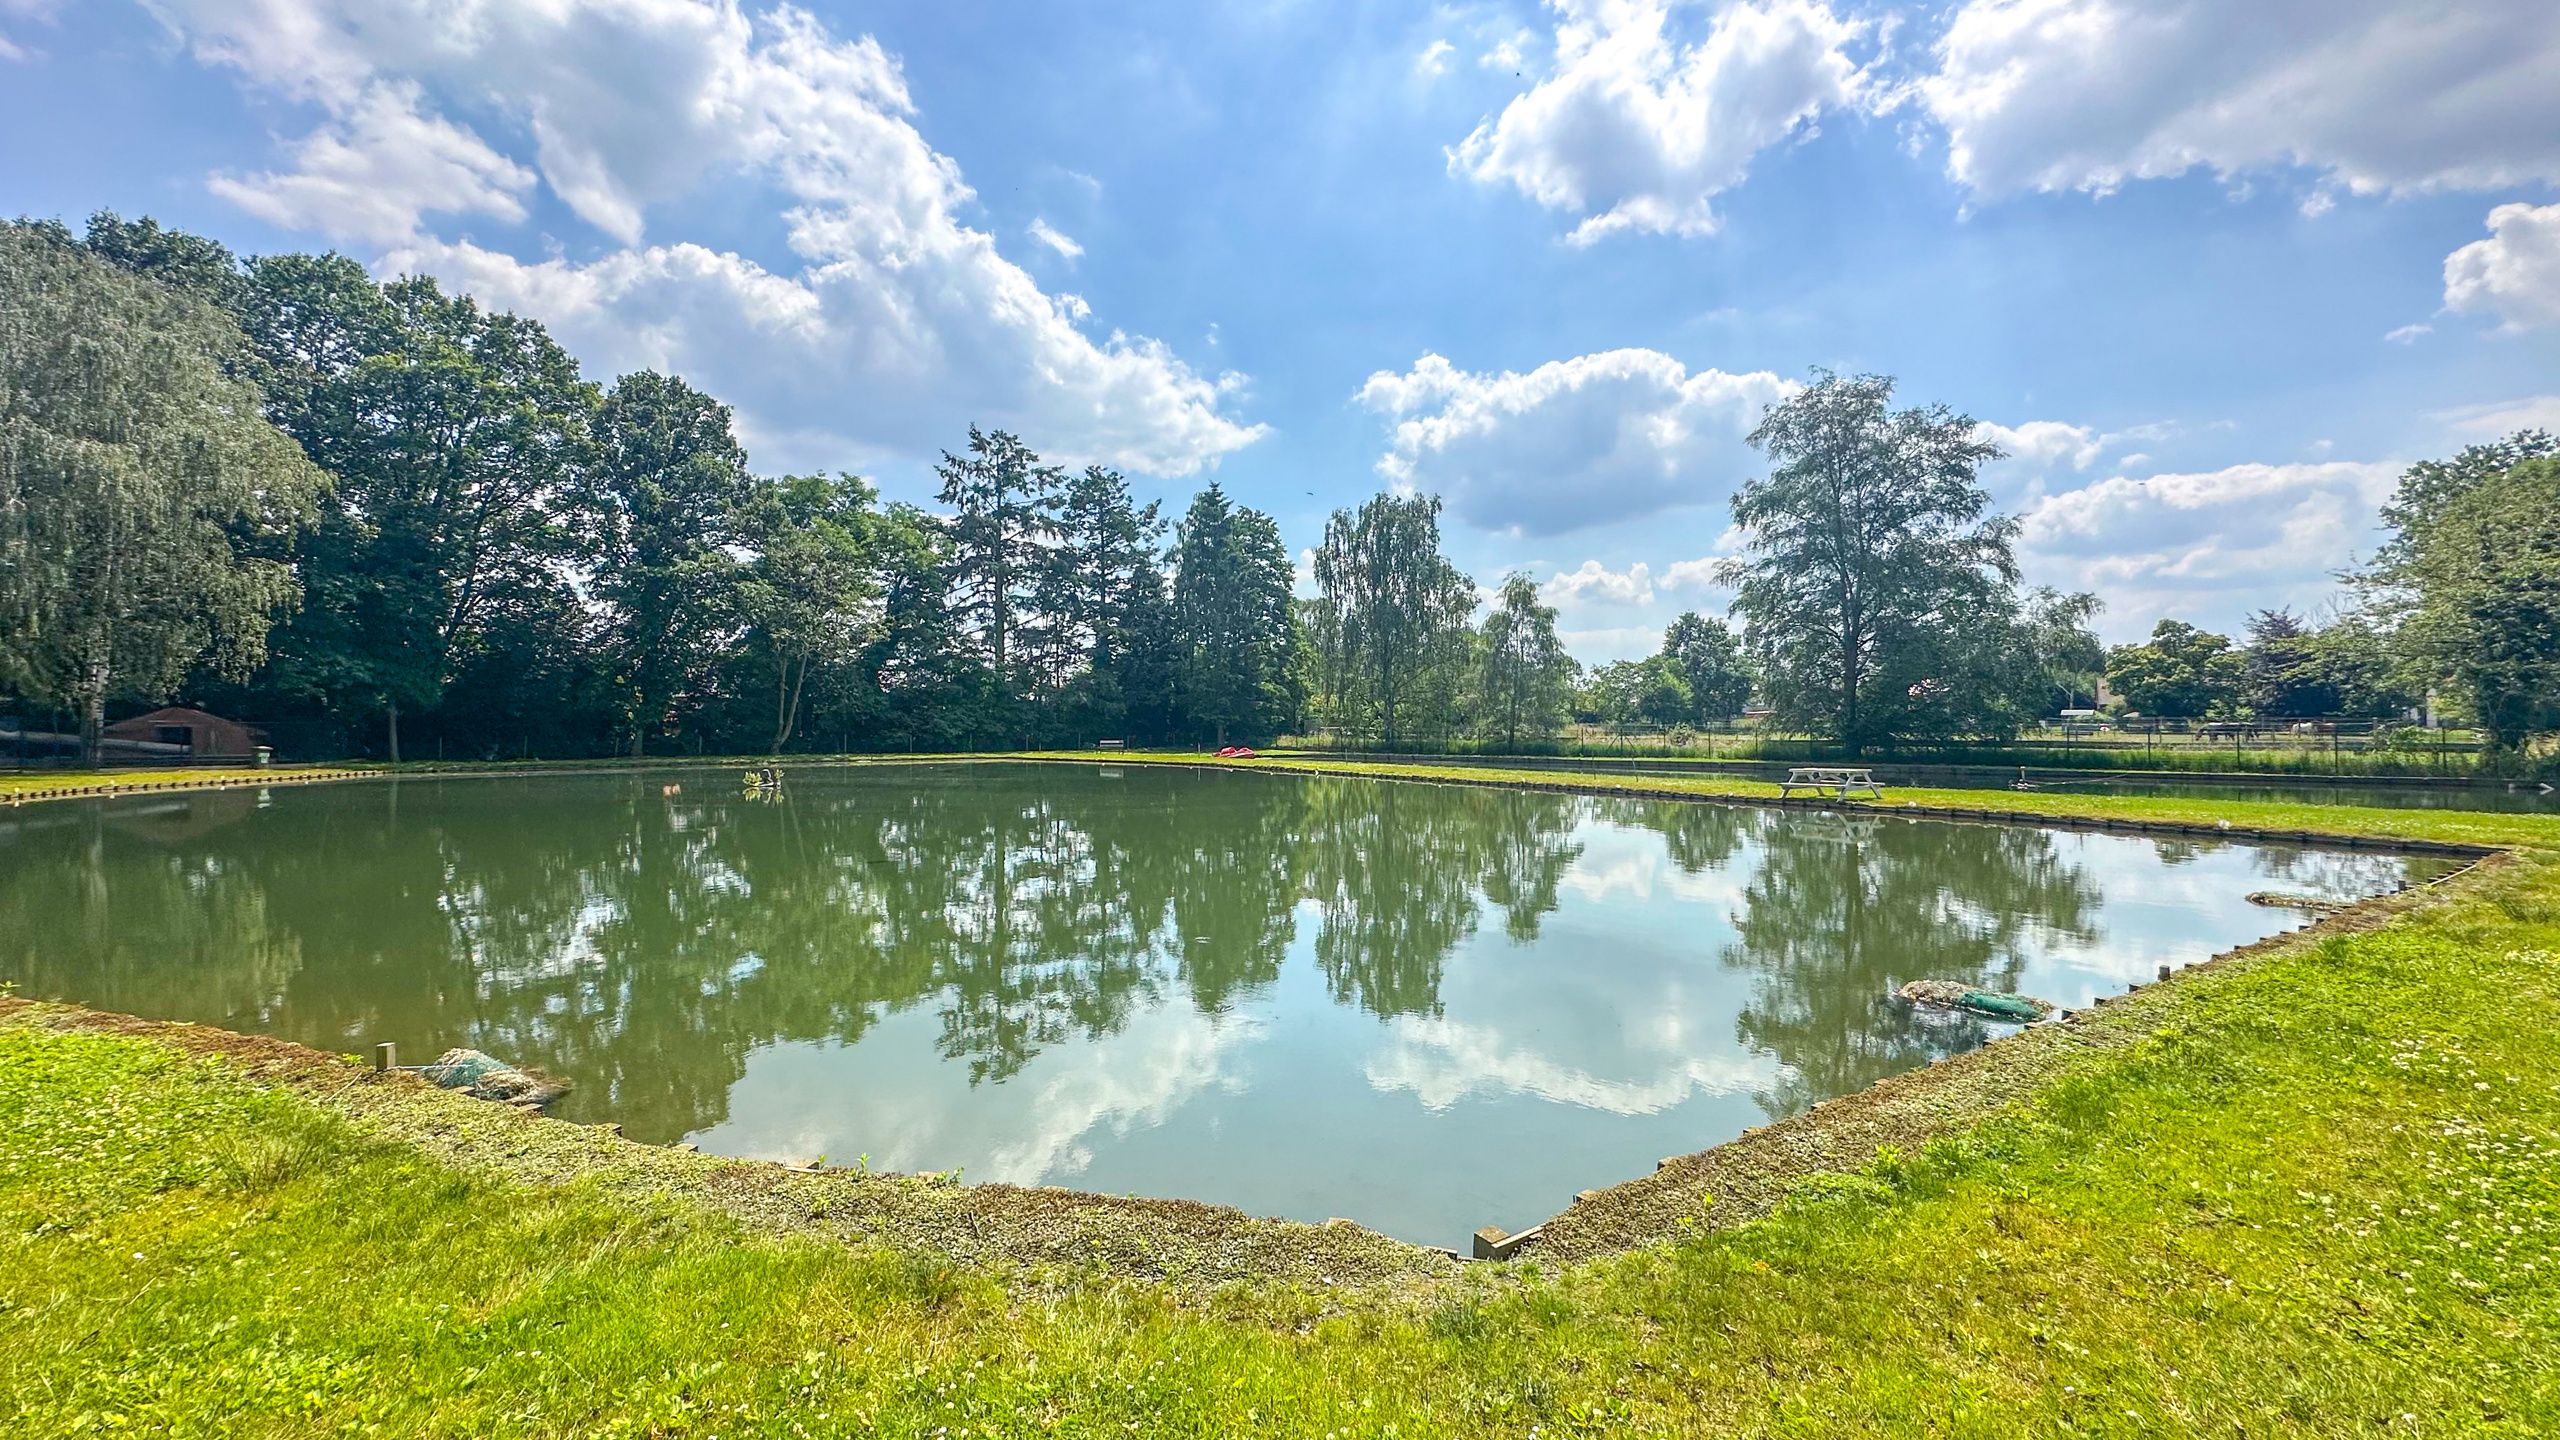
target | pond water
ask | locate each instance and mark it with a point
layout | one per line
(1426, 1008)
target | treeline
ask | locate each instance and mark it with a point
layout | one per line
(2457, 614)
(292, 493)
(289, 491)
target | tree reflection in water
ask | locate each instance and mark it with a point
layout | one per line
(645, 935)
(1841, 910)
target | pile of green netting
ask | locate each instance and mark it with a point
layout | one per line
(1955, 995)
(2287, 900)
(486, 1077)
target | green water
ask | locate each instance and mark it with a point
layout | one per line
(1426, 1008)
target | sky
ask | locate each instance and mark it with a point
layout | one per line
(2211, 273)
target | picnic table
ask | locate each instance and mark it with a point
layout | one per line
(1843, 781)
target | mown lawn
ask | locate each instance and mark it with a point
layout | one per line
(2322, 1197)
(2456, 827)
(48, 784)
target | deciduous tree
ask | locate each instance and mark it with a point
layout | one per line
(1871, 564)
(1398, 613)
(661, 503)
(137, 478)
(1524, 679)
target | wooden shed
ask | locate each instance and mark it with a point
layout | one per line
(198, 733)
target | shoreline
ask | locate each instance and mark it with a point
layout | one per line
(1730, 1183)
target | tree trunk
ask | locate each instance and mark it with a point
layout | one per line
(93, 713)
(391, 725)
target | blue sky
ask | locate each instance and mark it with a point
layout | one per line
(2213, 272)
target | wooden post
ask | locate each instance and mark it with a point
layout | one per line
(384, 1056)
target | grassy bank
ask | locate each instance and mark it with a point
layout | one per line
(2313, 1191)
(24, 786)
(2242, 817)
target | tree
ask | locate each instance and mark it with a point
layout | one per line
(2282, 671)
(1870, 564)
(1234, 631)
(1398, 613)
(458, 437)
(1650, 690)
(1525, 679)
(187, 263)
(2483, 574)
(2356, 660)
(2180, 672)
(1004, 504)
(135, 476)
(2067, 653)
(810, 597)
(1711, 662)
(662, 501)
(2430, 487)
(1102, 599)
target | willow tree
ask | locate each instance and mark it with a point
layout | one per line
(1398, 613)
(139, 485)
(1878, 593)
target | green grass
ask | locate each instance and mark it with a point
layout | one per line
(2314, 1193)
(2452, 827)
(2166, 754)
(47, 784)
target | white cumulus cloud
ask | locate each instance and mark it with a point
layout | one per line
(375, 171)
(1596, 584)
(2515, 273)
(1572, 443)
(2374, 95)
(2206, 545)
(1633, 129)
(897, 322)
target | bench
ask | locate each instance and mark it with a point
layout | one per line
(1110, 744)
(1842, 781)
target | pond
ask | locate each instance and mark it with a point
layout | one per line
(1422, 1007)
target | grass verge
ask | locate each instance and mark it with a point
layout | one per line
(31, 785)
(2315, 1191)
(2242, 818)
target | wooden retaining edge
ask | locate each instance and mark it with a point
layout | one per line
(226, 781)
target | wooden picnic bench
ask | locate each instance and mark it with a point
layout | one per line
(1843, 781)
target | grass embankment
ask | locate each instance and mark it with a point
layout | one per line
(69, 784)
(2316, 1191)
(2243, 818)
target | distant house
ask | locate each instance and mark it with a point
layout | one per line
(193, 731)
